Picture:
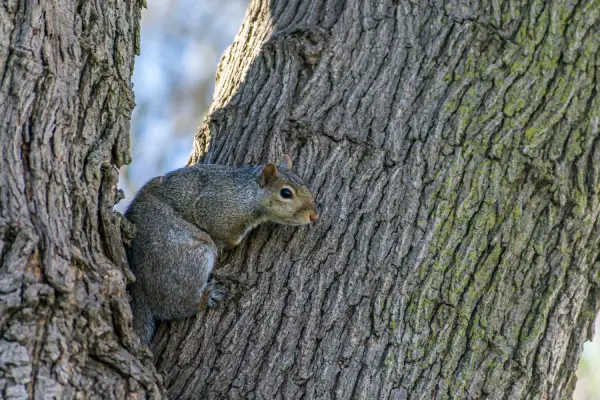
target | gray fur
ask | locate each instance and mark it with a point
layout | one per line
(184, 219)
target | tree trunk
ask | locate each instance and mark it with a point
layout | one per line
(66, 100)
(455, 149)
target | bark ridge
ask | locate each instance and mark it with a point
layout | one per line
(66, 95)
(455, 149)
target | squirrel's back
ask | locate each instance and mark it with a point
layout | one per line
(218, 199)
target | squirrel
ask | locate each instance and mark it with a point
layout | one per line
(185, 218)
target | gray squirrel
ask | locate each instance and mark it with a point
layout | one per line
(185, 218)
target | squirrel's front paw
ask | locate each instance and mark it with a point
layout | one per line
(213, 293)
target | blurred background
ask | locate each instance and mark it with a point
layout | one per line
(182, 42)
(588, 385)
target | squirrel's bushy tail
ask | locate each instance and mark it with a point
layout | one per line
(144, 323)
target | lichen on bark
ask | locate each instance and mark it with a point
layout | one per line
(454, 147)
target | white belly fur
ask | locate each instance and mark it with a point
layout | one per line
(249, 228)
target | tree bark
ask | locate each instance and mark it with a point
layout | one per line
(66, 100)
(455, 149)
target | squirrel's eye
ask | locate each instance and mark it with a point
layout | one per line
(286, 193)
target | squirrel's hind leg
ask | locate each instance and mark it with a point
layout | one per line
(213, 293)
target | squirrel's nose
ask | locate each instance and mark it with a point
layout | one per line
(313, 216)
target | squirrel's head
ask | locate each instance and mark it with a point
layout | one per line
(287, 199)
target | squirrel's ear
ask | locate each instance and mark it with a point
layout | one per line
(286, 162)
(267, 175)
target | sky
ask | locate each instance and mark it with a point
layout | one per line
(181, 44)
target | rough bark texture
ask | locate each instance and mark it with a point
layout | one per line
(65, 104)
(455, 148)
